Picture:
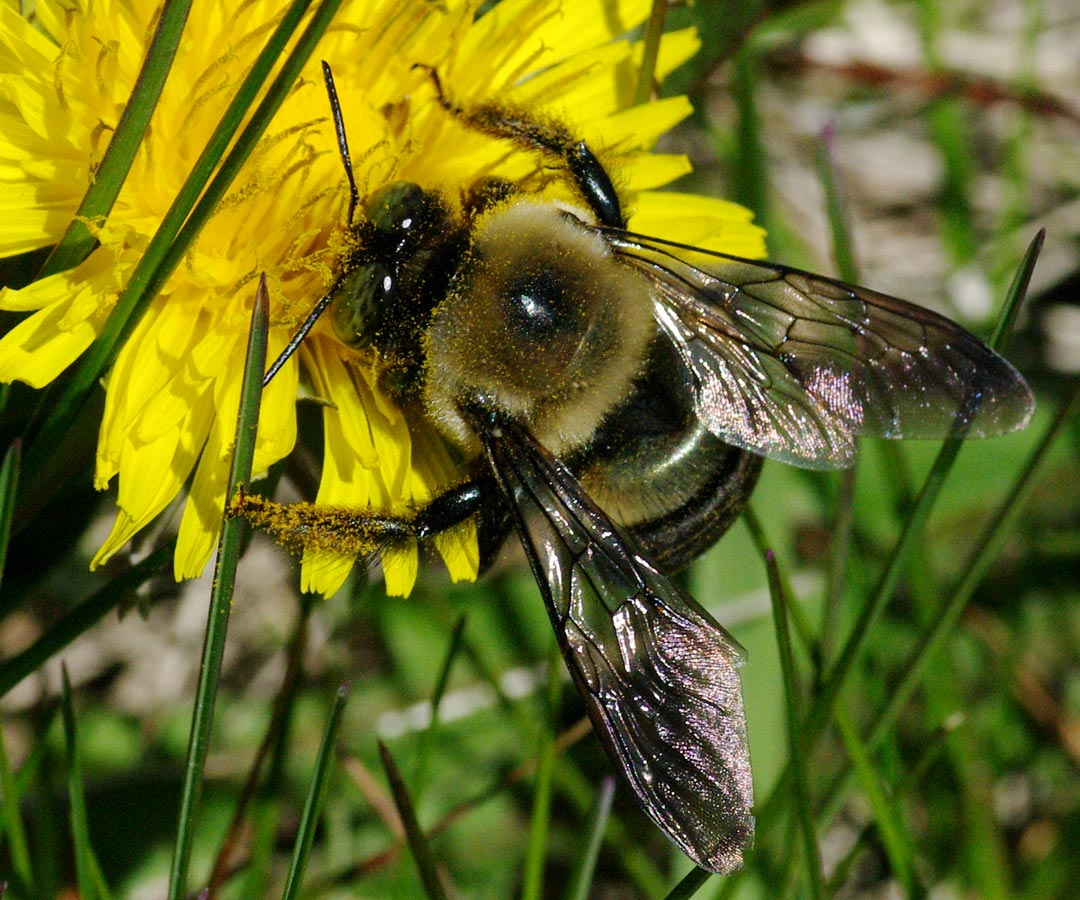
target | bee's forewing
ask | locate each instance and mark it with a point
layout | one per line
(658, 676)
(795, 366)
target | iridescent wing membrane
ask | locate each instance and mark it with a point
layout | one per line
(658, 675)
(795, 366)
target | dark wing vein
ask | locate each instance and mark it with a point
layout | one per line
(795, 366)
(658, 675)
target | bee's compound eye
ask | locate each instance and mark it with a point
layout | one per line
(397, 207)
(359, 301)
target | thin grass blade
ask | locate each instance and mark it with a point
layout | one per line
(217, 625)
(933, 640)
(796, 746)
(932, 748)
(414, 834)
(320, 781)
(11, 826)
(835, 210)
(821, 710)
(109, 175)
(1017, 291)
(9, 486)
(990, 542)
(751, 186)
(423, 751)
(581, 877)
(540, 822)
(650, 52)
(691, 883)
(174, 237)
(258, 797)
(883, 807)
(988, 548)
(87, 871)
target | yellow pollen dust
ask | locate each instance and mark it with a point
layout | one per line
(321, 529)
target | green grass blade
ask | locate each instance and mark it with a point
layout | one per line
(87, 872)
(821, 710)
(320, 781)
(989, 544)
(690, 884)
(77, 241)
(751, 186)
(540, 823)
(574, 787)
(174, 237)
(1017, 291)
(988, 548)
(934, 639)
(11, 824)
(796, 746)
(932, 748)
(837, 675)
(259, 793)
(848, 270)
(581, 878)
(840, 547)
(798, 617)
(414, 834)
(9, 486)
(883, 807)
(835, 211)
(919, 514)
(423, 751)
(83, 617)
(654, 30)
(217, 624)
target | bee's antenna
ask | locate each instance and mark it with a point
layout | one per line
(354, 201)
(342, 140)
(297, 339)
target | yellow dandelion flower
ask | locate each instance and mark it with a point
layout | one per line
(173, 392)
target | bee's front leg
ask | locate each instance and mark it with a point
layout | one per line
(352, 531)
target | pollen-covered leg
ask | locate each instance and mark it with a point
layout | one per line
(329, 529)
(547, 135)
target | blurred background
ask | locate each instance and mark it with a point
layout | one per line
(952, 130)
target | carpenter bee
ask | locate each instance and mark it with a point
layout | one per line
(612, 397)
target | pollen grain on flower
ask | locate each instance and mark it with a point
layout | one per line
(173, 392)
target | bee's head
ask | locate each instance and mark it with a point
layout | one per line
(400, 219)
(540, 323)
